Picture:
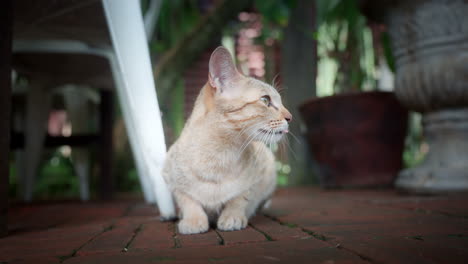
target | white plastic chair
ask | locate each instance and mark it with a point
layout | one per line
(129, 60)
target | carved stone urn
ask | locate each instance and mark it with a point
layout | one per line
(430, 45)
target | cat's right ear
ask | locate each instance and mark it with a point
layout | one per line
(222, 70)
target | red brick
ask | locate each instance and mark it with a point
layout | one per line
(97, 212)
(28, 218)
(275, 230)
(113, 240)
(135, 220)
(416, 226)
(350, 214)
(154, 235)
(395, 250)
(385, 227)
(209, 238)
(445, 205)
(143, 210)
(116, 239)
(301, 251)
(53, 242)
(247, 235)
(36, 260)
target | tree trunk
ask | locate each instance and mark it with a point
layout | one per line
(299, 57)
(6, 24)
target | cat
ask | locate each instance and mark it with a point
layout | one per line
(220, 168)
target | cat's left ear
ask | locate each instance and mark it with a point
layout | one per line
(222, 70)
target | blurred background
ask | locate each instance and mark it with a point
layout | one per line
(308, 49)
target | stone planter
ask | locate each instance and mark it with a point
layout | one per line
(357, 139)
(430, 46)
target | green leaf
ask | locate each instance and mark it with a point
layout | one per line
(388, 51)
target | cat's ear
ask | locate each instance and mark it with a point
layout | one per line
(222, 69)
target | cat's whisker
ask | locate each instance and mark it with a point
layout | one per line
(281, 90)
(294, 155)
(246, 128)
(275, 82)
(243, 132)
(264, 138)
(252, 131)
(270, 139)
(282, 148)
(249, 140)
(295, 137)
(256, 151)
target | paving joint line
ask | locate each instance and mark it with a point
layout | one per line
(220, 238)
(363, 257)
(173, 227)
(267, 236)
(324, 239)
(135, 233)
(275, 219)
(75, 251)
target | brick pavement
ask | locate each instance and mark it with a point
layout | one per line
(304, 225)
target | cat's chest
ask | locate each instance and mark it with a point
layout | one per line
(214, 193)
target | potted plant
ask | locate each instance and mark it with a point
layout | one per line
(356, 136)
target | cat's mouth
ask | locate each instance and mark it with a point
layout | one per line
(280, 132)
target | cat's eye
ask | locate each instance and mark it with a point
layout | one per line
(266, 100)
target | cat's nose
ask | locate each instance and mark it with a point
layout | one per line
(287, 116)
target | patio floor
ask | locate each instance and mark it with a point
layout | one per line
(304, 225)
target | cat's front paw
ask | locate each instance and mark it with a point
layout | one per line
(196, 225)
(231, 221)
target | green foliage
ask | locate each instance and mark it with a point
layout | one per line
(283, 171)
(275, 16)
(388, 51)
(176, 18)
(415, 150)
(345, 47)
(57, 179)
(274, 12)
(130, 183)
(176, 115)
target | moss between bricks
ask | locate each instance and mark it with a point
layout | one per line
(291, 225)
(63, 258)
(458, 236)
(420, 238)
(220, 238)
(267, 236)
(316, 235)
(173, 228)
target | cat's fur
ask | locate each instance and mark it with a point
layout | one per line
(220, 168)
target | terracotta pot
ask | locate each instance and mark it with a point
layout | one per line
(356, 139)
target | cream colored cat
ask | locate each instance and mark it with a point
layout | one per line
(220, 168)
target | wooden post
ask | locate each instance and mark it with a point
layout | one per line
(106, 180)
(6, 24)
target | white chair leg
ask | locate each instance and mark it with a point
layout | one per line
(138, 99)
(78, 111)
(37, 110)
